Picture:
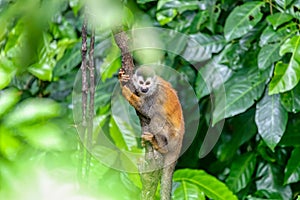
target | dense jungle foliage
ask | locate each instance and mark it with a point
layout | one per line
(234, 63)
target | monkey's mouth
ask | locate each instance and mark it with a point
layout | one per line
(144, 90)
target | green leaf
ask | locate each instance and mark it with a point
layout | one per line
(180, 6)
(268, 55)
(212, 44)
(270, 178)
(242, 129)
(106, 155)
(292, 170)
(283, 3)
(278, 19)
(200, 47)
(271, 36)
(111, 63)
(214, 11)
(242, 19)
(8, 98)
(169, 9)
(46, 136)
(241, 172)
(212, 76)
(70, 60)
(291, 136)
(291, 99)
(190, 191)
(240, 93)
(144, 1)
(166, 16)
(271, 119)
(116, 135)
(10, 146)
(31, 111)
(199, 21)
(126, 119)
(286, 76)
(5, 78)
(188, 180)
(43, 71)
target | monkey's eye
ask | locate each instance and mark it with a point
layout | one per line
(147, 83)
(141, 82)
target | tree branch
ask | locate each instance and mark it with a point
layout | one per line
(150, 168)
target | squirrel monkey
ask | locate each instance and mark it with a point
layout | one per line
(162, 119)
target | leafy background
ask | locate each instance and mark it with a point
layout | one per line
(252, 45)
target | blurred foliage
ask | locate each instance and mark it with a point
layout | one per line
(249, 49)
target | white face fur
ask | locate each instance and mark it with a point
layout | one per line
(144, 81)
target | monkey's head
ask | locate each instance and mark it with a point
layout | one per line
(144, 80)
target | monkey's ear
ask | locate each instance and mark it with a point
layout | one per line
(134, 77)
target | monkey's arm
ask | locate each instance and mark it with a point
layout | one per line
(133, 99)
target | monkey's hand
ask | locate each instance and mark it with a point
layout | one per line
(123, 78)
(149, 137)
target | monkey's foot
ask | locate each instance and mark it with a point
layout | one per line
(149, 137)
(123, 77)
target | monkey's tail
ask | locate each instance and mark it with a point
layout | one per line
(166, 181)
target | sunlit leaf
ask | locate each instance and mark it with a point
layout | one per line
(42, 70)
(5, 79)
(242, 19)
(9, 145)
(126, 120)
(8, 98)
(286, 76)
(32, 110)
(166, 16)
(116, 135)
(188, 180)
(292, 170)
(241, 172)
(47, 136)
(271, 119)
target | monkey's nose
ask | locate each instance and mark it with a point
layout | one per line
(144, 90)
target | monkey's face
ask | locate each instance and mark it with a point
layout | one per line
(144, 82)
(143, 86)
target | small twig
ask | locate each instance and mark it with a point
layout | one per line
(84, 86)
(91, 68)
